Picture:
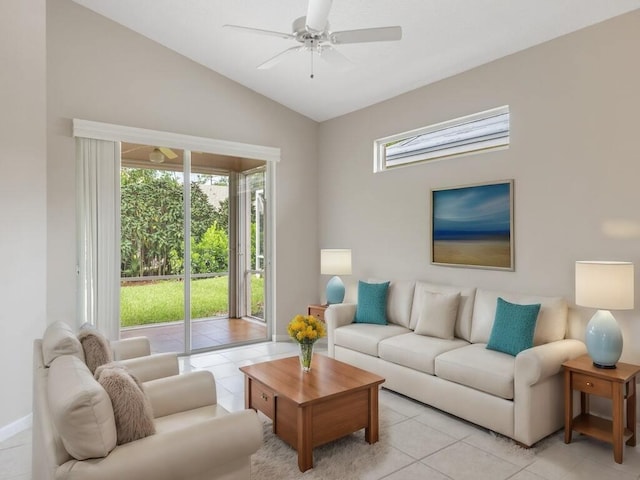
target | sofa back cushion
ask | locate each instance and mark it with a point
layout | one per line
(80, 409)
(399, 301)
(465, 307)
(60, 339)
(550, 326)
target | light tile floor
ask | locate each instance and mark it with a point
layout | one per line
(428, 444)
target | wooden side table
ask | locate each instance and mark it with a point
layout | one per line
(317, 311)
(617, 384)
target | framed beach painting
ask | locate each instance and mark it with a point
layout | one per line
(472, 226)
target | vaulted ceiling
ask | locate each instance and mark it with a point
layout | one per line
(440, 38)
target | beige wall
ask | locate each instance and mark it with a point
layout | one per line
(22, 199)
(574, 104)
(574, 158)
(99, 70)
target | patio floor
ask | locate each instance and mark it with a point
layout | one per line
(206, 333)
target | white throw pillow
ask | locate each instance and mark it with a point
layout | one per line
(438, 314)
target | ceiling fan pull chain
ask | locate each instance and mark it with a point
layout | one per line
(311, 51)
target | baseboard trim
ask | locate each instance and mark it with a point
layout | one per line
(16, 427)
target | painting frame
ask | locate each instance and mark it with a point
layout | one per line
(472, 226)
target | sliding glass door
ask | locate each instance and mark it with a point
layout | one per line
(207, 292)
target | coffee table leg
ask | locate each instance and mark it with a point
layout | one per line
(247, 392)
(371, 433)
(305, 435)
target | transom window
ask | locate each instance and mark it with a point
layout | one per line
(481, 131)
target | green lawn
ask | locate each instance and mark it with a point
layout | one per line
(162, 301)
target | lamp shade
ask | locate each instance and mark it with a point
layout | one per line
(335, 261)
(604, 285)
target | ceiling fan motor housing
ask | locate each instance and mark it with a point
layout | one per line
(302, 35)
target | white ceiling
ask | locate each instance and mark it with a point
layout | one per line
(440, 38)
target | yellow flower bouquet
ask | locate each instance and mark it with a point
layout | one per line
(306, 329)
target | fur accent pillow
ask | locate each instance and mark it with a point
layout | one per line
(131, 407)
(97, 350)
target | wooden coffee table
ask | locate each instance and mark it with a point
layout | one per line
(310, 409)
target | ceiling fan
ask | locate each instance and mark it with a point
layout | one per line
(159, 153)
(313, 33)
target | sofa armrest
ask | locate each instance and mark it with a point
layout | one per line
(130, 348)
(187, 452)
(543, 361)
(337, 315)
(154, 366)
(181, 392)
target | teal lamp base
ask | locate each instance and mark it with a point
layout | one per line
(604, 340)
(335, 290)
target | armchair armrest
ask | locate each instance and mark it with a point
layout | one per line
(337, 315)
(130, 348)
(543, 361)
(181, 392)
(187, 452)
(154, 366)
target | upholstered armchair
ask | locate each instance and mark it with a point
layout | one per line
(81, 432)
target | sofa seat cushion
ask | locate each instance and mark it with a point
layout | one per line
(180, 420)
(476, 367)
(416, 351)
(365, 337)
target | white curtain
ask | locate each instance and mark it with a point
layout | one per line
(98, 225)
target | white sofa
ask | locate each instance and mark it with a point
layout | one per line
(75, 433)
(519, 396)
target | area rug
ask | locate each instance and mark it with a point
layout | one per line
(347, 458)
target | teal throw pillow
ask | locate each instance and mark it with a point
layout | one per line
(513, 327)
(372, 303)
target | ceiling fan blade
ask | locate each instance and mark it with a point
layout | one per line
(260, 31)
(334, 57)
(138, 147)
(167, 152)
(317, 15)
(278, 58)
(379, 34)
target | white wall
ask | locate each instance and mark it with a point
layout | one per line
(23, 218)
(574, 158)
(99, 70)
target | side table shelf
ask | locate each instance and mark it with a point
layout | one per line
(597, 427)
(617, 384)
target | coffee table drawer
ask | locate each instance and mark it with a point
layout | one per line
(263, 399)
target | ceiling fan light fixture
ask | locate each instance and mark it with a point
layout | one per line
(156, 156)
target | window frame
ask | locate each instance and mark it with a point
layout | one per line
(435, 153)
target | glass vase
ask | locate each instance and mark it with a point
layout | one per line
(306, 352)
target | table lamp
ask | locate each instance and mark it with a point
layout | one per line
(605, 286)
(335, 261)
